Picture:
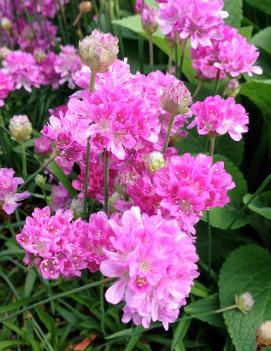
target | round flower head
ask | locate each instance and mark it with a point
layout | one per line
(218, 116)
(85, 6)
(149, 20)
(264, 334)
(155, 161)
(6, 24)
(155, 265)
(98, 51)
(20, 128)
(176, 99)
(9, 199)
(244, 302)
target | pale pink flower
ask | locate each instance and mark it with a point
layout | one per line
(152, 286)
(9, 198)
(217, 116)
(6, 86)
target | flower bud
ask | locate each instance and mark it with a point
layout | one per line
(39, 55)
(20, 128)
(155, 161)
(112, 200)
(263, 335)
(244, 302)
(98, 51)
(4, 52)
(149, 20)
(77, 207)
(176, 99)
(40, 180)
(85, 7)
(232, 88)
(6, 24)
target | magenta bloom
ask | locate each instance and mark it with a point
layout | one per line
(195, 19)
(152, 286)
(43, 146)
(230, 54)
(218, 116)
(9, 198)
(6, 86)
(190, 185)
(54, 244)
(23, 70)
(60, 198)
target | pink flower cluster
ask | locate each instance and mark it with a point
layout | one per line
(217, 116)
(6, 86)
(152, 286)
(229, 55)
(198, 20)
(9, 198)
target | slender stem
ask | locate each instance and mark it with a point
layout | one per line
(92, 81)
(170, 57)
(106, 180)
(257, 192)
(102, 305)
(55, 297)
(198, 88)
(229, 308)
(86, 178)
(42, 167)
(76, 21)
(171, 122)
(212, 144)
(182, 57)
(212, 149)
(176, 57)
(217, 81)
(151, 50)
(24, 160)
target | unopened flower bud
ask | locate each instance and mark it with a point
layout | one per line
(4, 52)
(85, 7)
(232, 88)
(244, 302)
(20, 128)
(39, 55)
(99, 51)
(77, 207)
(176, 99)
(263, 335)
(40, 180)
(155, 161)
(112, 200)
(6, 24)
(149, 20)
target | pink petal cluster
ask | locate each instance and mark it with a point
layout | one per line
(9, 198)
(60, 198)
(229, 55)
(6, 86)
(217, 116)
(198, 20)
(152, 286)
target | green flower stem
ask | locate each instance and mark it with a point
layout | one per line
(212, 149)
(151, 50)
(225, 309)
(106, 180)
(198, 88)
(24, 160)
(257, 192)
(217, 81)
(182, 57)
(86, 178)
(42, 167)
(171, 122)
(170, 58)
(55, 297)
(92, 81)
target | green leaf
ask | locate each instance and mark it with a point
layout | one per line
(222, 217)
(261, 204)
(29, 282)
(263, 5)
(262, 39)
(247, 269)
(179, 333)
(9, 343)
(203, 310)
(61, 176)
(235, 10)
(246, 32)
(258, 91)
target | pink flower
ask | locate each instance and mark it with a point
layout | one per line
(6, 86)
(229, 55)
(54, 244)
(138, 6)
(190, 185)
(43, 146)
(152, 286)
(195, 19)
(217, 116)
(60, 198)
(23, 70)
(9, 198)
(149, 20)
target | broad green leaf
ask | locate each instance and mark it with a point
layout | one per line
(262, 39)
(30, 282)
(258, 91)
(246, 32)
(247, 269)
(260, 205)
(235, 10)
(263, 5)
(61, 176)
(203, 310)
(179, 333)
(9, 343)
(222, 217)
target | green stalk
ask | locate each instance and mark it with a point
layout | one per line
(217, 81)
(171, 122)
(151, 50)
(86, 179)
(106, 180)
(182, 57)
(212, 149)
(92, 81)
(24, 160)
(55, 297)
(198, 88)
